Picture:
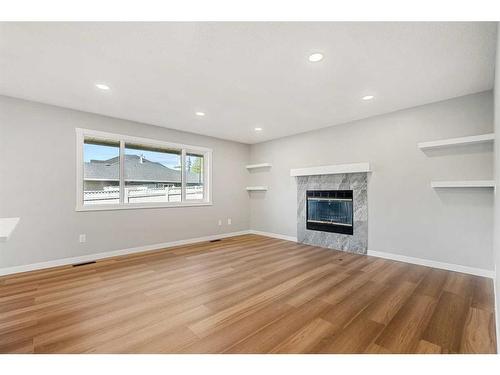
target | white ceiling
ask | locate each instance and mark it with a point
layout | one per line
(244, 75)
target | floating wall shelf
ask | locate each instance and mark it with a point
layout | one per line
(256, 188)
(463, 184)
(262, 165)
(474, 139)
(7, 226)
(331, 169)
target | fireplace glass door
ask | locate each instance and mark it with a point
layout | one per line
(330, 211)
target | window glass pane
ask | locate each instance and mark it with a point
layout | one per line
(194, 177)
(152, 174)
(101, 172)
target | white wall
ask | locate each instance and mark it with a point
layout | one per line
(406, 216)
(37, 159)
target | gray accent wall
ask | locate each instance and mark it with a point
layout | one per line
(357, 182)
(37, 184)
(405, 215)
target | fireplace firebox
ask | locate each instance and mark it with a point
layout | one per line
(329, 211)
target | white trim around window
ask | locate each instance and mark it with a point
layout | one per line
(82, 134)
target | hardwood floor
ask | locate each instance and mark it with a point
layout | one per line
(246, 294)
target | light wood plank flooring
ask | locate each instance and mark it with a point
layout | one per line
(246, 294)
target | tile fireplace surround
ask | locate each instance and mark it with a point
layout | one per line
(357, 182)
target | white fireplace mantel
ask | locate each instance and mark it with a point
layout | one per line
(331, 169)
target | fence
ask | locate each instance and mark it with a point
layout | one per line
(142, 194)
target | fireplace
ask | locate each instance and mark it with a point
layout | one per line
(329, 211)
(338, 222)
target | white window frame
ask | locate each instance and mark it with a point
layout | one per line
(81, 134)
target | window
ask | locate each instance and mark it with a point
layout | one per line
(152, 174)
(194, 177)
(119, 172)
(101, 172)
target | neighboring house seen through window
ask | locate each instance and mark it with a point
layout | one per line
(117, 171)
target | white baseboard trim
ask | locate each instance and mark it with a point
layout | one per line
(273, 235)
(434, 264)
(113, 253)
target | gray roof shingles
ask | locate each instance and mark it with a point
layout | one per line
(109, 170)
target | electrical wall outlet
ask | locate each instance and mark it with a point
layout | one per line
(83, 238)
(220, 222)
(229, 221)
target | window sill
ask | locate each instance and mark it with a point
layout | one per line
(140, 206)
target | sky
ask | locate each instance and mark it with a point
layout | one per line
(98, 152)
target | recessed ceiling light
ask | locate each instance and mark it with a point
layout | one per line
(315, 57)
(102, 86)
(201, 114)
(367, 97)
(258, 129)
